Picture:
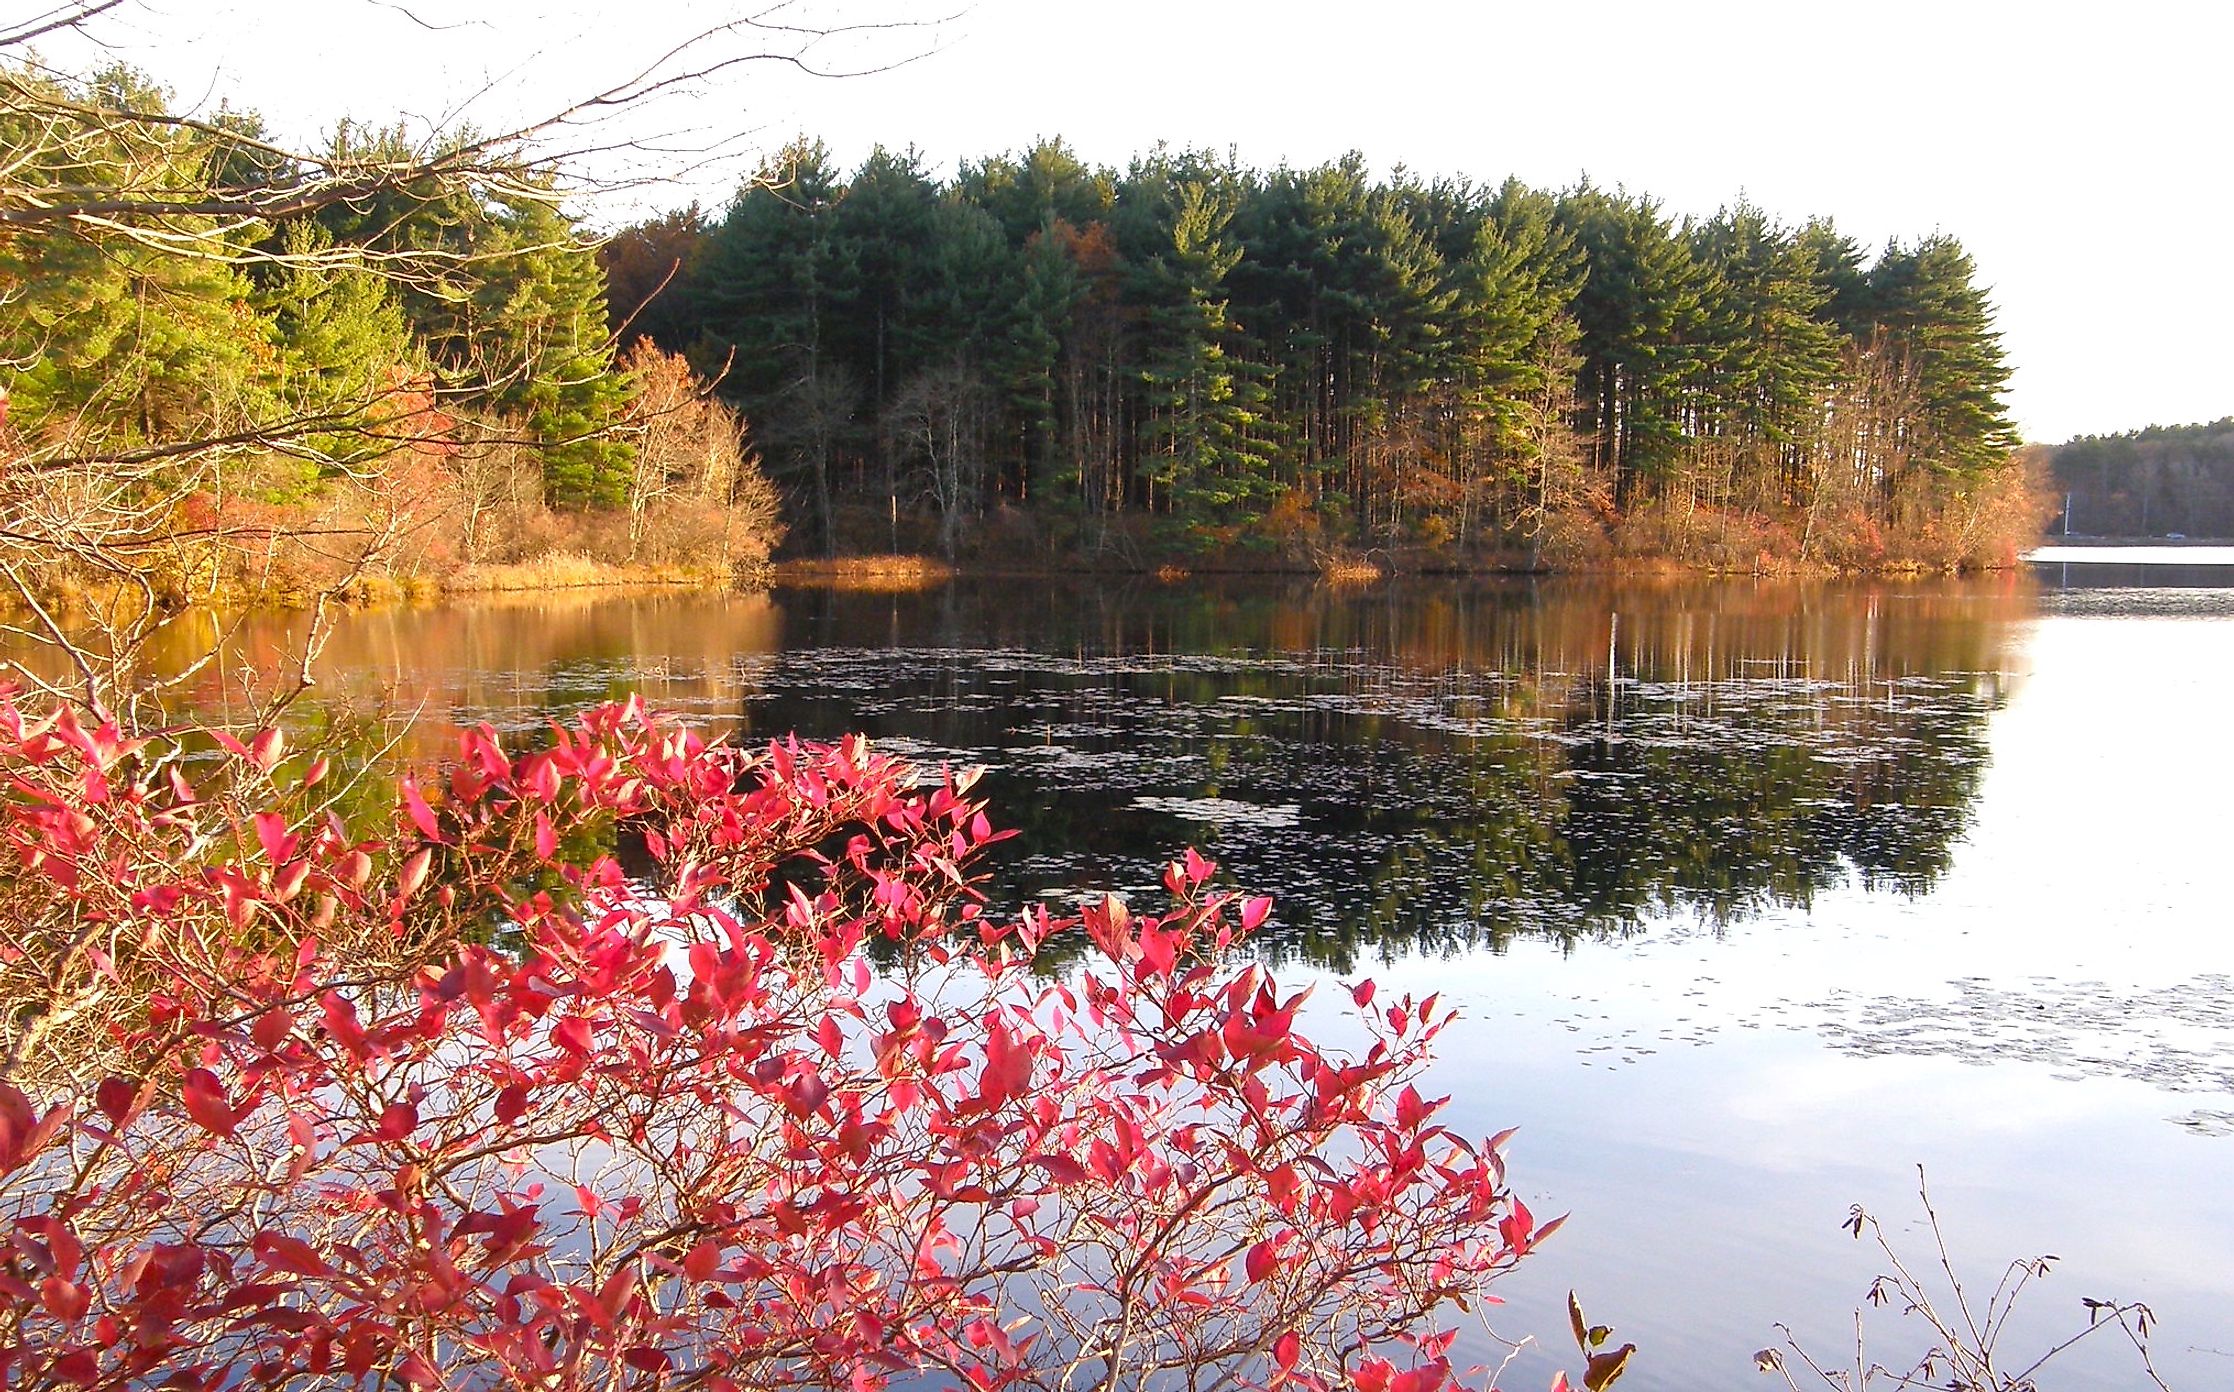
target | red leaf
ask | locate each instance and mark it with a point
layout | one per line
(1261, 1261)
(1517, 1227)
(290, 1254)
(271, 1028)
(1410, 1111)
(414, 872)
(271, 832)
(421, 814)
(205, 1102)
(542, 777)
(302, 1136)
(1428, 1377)
(618, 1291)
(806, 1093)
(80, 1366)
(34, 1140)
(341, 1022)
(397, 1120)
(1008, 1066)
(511, 1104)
(1286, 1350)
(1197, 869)
(700, 1262)
(266, 750)
(115, 1097)
(65, 1300)
(1061, 1168)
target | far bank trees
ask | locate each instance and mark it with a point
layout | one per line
(1199, 354)
(2148, 483)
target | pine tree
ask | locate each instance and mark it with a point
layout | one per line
(1774, 359)
(1512, 272)
(111, 336)
(881, 233)
(1639, 311)
(1934, 332)
(1051, 290)
(341, 331)
(768, 284)
(542, 309)
(1205, 458)
(1047, 182)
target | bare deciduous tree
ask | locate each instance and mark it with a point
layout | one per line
(940, 418)
(690, 457)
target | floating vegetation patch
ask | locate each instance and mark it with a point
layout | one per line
(2203, 1123)
(1223, 812)
(2177, 1037)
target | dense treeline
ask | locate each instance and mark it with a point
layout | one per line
(416, 367)
(2156, 482)
(221, 372)
(1191, 353)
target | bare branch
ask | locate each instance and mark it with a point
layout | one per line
(72, 15)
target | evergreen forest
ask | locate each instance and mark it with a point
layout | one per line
(1191, 356)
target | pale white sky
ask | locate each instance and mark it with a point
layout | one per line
(2078, 152)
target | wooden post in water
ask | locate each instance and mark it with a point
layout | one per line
(1613, 635)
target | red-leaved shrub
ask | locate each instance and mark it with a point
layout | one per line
(466, 1103)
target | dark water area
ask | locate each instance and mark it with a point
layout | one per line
(1438, 769)
(1754, 896)
(2193, 582)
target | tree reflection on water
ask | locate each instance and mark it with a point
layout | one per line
(1439, 767)
(1432, 766)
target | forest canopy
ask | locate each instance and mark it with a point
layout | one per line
(245, 369)
(1191, 353)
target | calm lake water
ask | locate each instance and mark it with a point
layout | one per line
(1754, 896)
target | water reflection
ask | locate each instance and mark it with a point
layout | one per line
(412, 674)
(1438, 767)
(1434, 766)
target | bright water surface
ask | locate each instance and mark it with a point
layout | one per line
(1755, 896)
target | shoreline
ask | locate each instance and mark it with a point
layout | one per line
(907, 572)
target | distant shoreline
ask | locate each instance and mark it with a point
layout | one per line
(2161, 542)
(2105, 551)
